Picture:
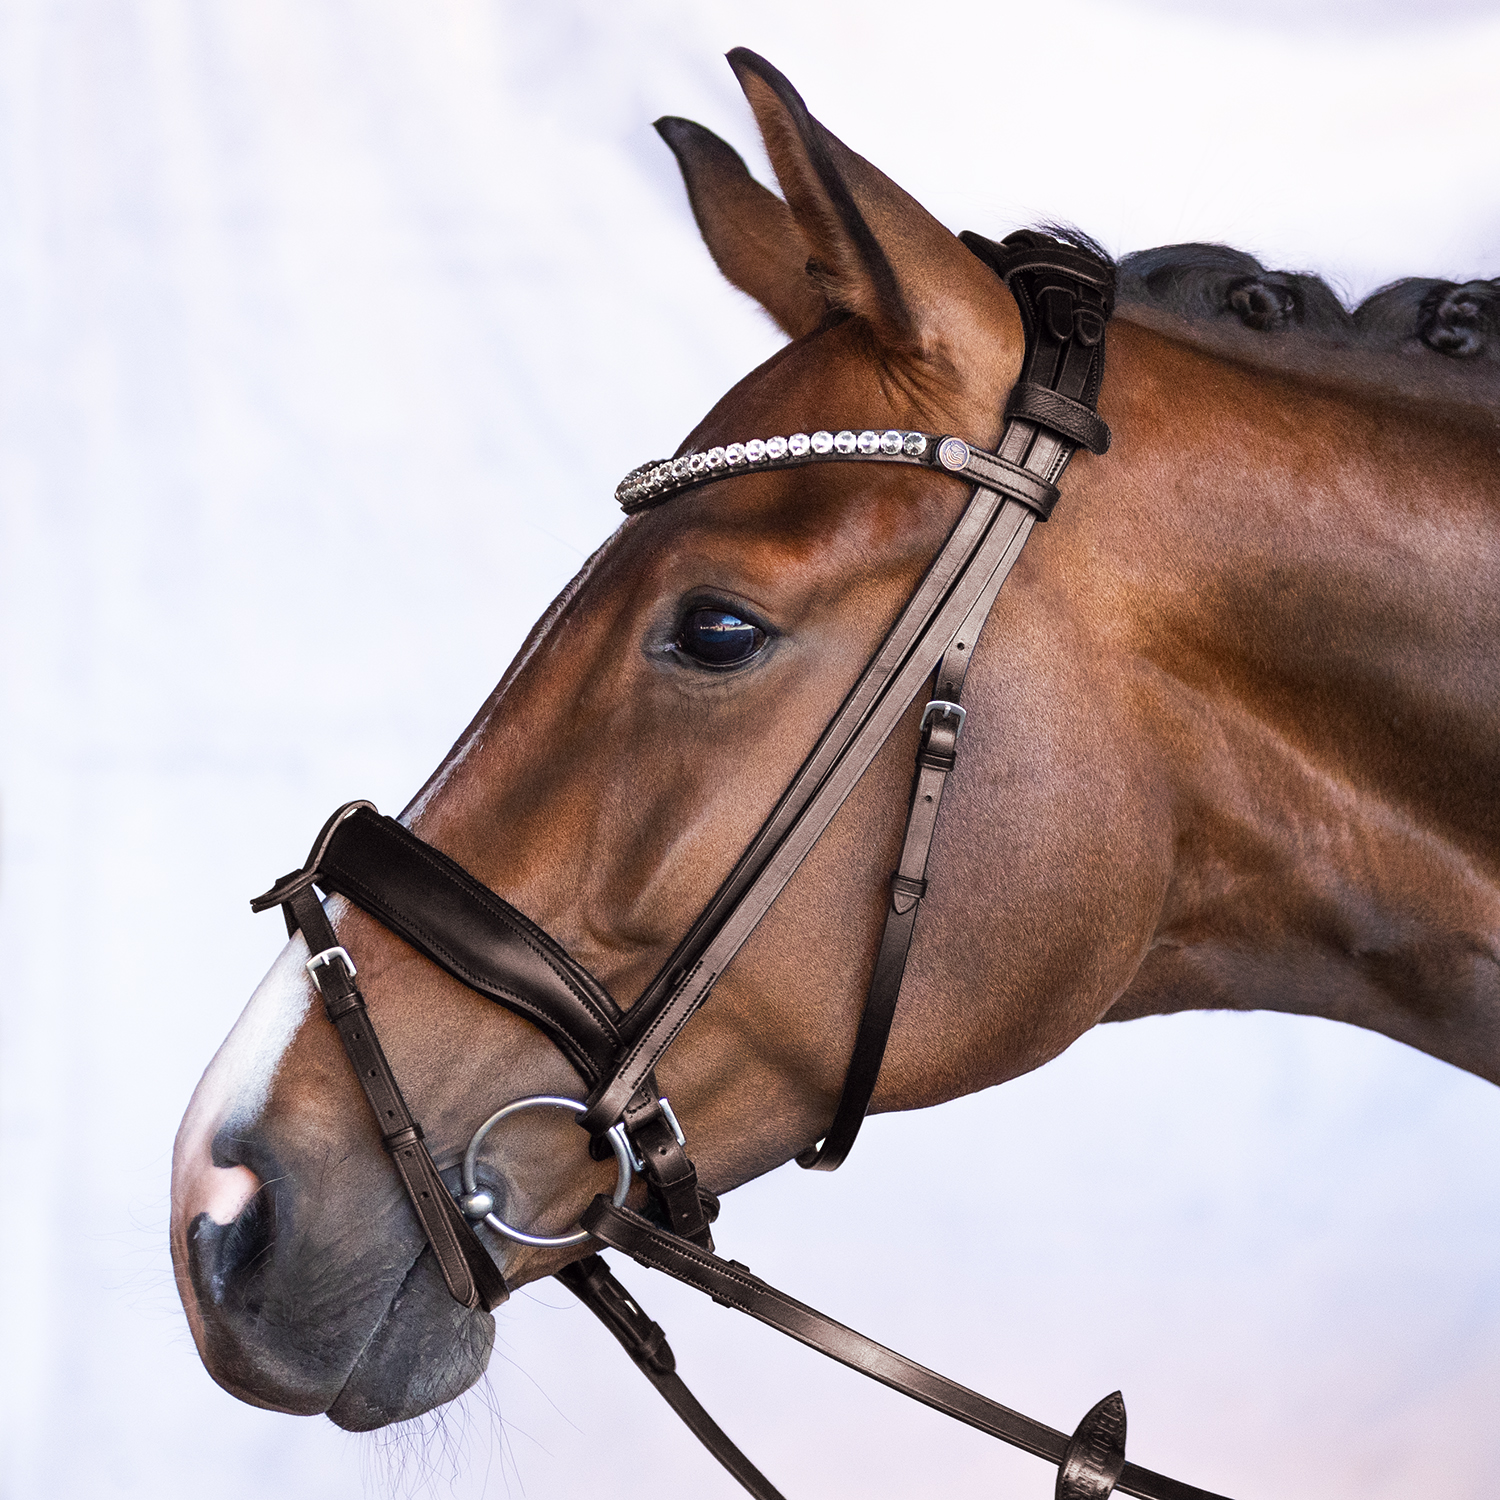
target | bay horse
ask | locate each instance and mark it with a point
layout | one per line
(1233, 740)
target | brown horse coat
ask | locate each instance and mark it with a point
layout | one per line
(1231, 743)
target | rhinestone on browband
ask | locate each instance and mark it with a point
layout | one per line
(660, 479)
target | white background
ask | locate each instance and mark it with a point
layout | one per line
(325, 332)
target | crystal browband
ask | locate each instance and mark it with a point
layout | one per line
(661, 479)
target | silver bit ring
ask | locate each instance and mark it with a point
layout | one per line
(478, 1200)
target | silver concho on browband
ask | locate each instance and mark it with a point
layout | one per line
(652, 483)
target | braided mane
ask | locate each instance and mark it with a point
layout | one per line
(1419, 338)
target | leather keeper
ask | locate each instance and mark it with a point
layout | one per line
(399, 1140)
(336, 1007)
(938, 759)
(1010, 479)
(904, 885)
(1060, 414)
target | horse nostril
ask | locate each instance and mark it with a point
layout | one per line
(224, 1192)
(231, 1236)
(227, 1258)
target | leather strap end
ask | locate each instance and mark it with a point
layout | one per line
(472, 1278)
(1095, 1457)
(283, 891)
(299, 880)
(906, 892)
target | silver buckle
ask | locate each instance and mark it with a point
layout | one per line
(666, 1109)
(946, 709)
(321, 960)
(617, 1130)
(618, 1139)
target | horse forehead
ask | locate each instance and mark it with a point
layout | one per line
(833, 378)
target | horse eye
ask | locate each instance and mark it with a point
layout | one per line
(716, 638)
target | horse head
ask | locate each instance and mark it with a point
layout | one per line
(604, 789)
(1198, 771)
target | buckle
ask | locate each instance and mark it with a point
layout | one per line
(323, 959)
(944, 709)
(617, 1132)
(666, 1109)
(618, 1140)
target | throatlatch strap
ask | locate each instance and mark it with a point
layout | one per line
(472, 1278)
(1071, 304)
(1084, 1460)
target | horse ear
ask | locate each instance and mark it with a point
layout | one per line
(749, 231)
(876, 252)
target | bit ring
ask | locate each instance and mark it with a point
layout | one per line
(618, 1144)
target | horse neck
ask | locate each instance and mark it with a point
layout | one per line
(1308, 588)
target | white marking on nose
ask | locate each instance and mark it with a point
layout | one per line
(235, 1086)
(225, 1191)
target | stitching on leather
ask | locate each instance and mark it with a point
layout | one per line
(656, 1264)
(713, 1265)
(636, 1051)
(545, 1021)
(505, 914)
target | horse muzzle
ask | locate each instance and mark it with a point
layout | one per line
(307, 1283)
(294, 1312)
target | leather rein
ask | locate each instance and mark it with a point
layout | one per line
(1065, 295)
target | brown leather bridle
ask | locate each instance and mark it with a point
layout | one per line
(1065, 294)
